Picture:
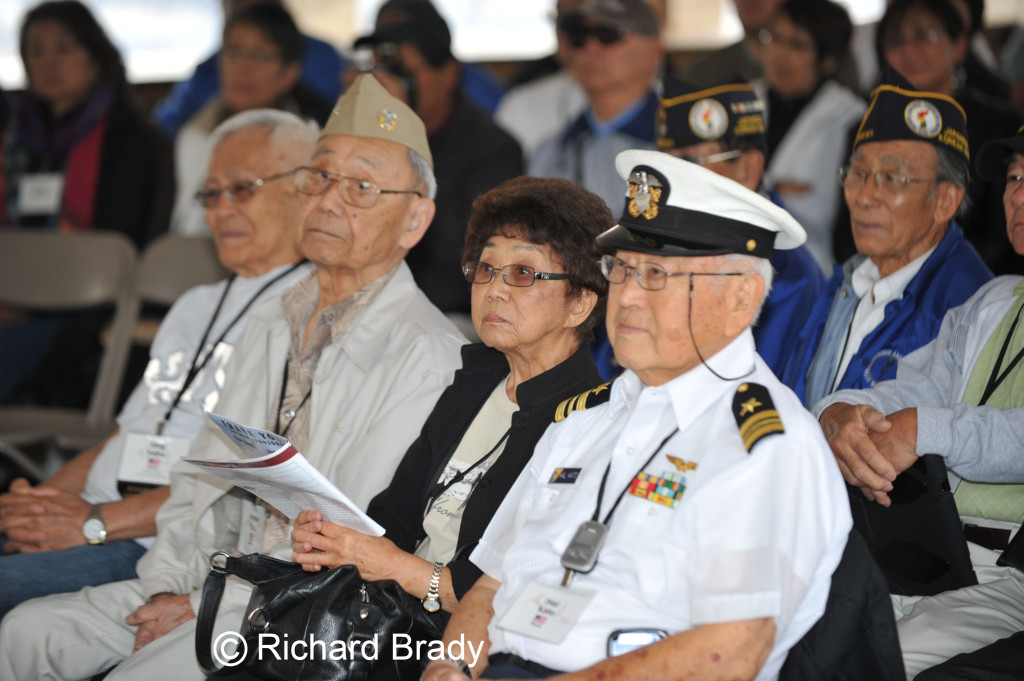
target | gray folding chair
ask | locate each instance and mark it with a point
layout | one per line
(47, 271)
(173, 264)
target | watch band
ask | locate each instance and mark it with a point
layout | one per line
(432, 601)
(461, 663)
(94, 529)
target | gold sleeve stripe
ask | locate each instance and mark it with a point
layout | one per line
(760, 425)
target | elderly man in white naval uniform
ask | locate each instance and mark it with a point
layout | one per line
(693, 500)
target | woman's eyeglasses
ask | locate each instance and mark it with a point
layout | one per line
(514, 275)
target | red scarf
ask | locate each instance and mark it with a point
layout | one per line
(81, 179)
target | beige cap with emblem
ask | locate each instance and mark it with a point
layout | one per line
(368, 110)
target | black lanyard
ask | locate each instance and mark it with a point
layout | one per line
(995, 379)
(197, 366)
(604, 480)
(280, 403)
(440, 488)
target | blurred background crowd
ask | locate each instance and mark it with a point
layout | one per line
(97, 136)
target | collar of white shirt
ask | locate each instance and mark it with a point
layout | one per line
(696, 389)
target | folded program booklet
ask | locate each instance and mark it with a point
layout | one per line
(273, 470)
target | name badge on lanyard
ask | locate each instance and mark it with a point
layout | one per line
(40, 193)
(147, 460)
(545, 612)
(254, 522)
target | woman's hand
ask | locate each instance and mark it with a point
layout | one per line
(320, 543)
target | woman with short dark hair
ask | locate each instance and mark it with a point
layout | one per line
(76, 125)
(537, 292)
(77, 157)
(808, 113)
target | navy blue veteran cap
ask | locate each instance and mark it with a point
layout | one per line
(689, 114)
(674, 207)
(992, 157)
(899, 112)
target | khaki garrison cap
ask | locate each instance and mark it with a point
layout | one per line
(368, 110)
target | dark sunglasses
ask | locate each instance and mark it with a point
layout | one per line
(577, 33)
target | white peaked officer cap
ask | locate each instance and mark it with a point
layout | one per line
(677, 208)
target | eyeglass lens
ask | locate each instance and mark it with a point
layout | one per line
(513, 275)
(236, 193)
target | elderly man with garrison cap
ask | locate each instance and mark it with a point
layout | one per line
(693, 500)
(347, 365)
(722, 128)
(961, 397)
(904, 184)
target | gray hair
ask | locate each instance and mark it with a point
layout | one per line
(424, 173)
(954, 168)
(286, 129)
(759, 266)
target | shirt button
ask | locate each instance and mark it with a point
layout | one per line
(552, 497)
(650, 511)
(629, 451)
(290, 414)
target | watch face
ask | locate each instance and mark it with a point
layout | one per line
(431, 605)
(94, 530)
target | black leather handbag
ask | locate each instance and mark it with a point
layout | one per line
(328, 625)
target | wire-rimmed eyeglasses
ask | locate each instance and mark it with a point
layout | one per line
(237, 192)
(513, 275)
(648, 275)
(853, 179)
(353, 191)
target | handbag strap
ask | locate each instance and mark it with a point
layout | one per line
(358, 666)
(254, 568)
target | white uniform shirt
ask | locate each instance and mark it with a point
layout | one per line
(170, 358)
(875, 292)
(753, 535)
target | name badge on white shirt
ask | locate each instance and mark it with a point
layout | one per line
(40, 193)
(254, 522)
(147, 460)
(546, 613)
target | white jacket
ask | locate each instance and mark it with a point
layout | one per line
(810, 154)
(372, 392)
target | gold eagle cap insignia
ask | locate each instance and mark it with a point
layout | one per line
(388, 120)
(644, 194)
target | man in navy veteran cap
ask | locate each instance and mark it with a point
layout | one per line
(722, 128)
(652, 513)
(904, 185)
(961, 397)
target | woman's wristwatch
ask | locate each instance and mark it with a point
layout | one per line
(432, 602)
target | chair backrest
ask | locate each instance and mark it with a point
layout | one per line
(856, 637)
(43, 270)
(172, 264)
